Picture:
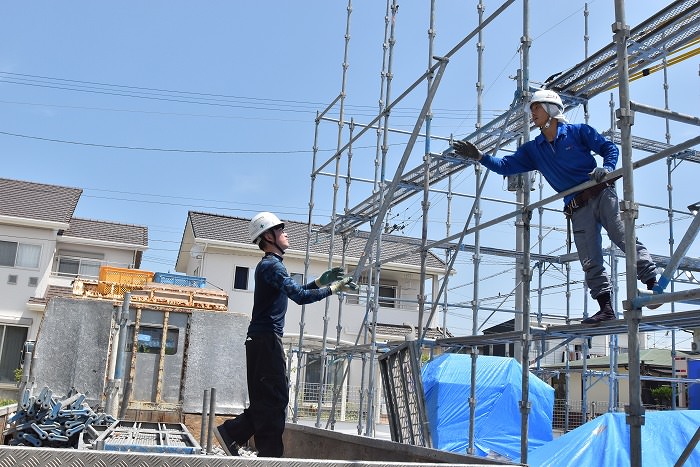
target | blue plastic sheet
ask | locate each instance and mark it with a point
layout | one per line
(497, 420)
(605, 441)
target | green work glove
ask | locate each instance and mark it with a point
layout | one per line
(329, 276)
(344, 285)
(468, 150)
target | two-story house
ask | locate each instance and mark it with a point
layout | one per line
(43, 248)
(217, 247)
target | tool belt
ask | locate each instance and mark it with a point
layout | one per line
(586, 195)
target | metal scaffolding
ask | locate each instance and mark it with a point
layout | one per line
(662, 40)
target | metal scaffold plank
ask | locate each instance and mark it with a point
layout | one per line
(671, 29)
(648, 145)
(662, 322)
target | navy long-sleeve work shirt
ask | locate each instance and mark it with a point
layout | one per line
(273, 286)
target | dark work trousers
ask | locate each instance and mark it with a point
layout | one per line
(268, 392)
(603, 212)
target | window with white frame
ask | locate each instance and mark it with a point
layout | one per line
(388, 293)
(20, 255)
(78, 263)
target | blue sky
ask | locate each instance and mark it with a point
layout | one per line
(156, 108)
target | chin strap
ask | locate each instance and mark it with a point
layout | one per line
(275, 243)
(548, 124)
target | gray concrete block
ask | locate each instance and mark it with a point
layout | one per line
(216, 359)
(72, 347)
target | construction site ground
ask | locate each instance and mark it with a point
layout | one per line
(305, 445)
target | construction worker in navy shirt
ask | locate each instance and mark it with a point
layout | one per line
(562, 154)
(268, 388)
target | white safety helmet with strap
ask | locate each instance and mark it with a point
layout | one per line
(262, 222)
(545, 96)
(551, 102)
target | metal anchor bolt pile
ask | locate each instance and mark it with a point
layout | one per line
(46, 421)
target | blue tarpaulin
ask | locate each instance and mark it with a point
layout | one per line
(605, 440)
(497, 421)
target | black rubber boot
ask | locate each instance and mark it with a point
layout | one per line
(606, 312)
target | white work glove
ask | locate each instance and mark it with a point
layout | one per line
(598, 174)
(344, 285)
(329, 276)
(468, 150)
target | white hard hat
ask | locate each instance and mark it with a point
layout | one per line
(545, 96)
(262, 222)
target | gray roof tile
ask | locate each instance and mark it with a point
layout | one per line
(37, 200)
(235, 229)
(107, 231)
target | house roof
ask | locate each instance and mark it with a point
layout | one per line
(235, 229)
(107, 231)
(37, 200)
(649, 357)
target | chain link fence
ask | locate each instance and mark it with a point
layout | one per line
(347, 405)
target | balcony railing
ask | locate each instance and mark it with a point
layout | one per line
(86, 268)
(387, 298)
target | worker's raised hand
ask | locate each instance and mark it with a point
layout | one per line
(598, 174)
(329, 276)
(467, 149)
(344, 285)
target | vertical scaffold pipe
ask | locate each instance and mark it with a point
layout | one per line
(369, 332)
(635, 410)
(476, 257)
(121, 347)
(425, 204)
(371, 395)
(525, 273)
(203, 421)
(334, 219)
(671, 241)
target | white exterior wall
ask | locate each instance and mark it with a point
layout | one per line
(13, 306)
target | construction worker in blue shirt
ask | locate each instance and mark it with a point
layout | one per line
(562, 154)
(268, 388)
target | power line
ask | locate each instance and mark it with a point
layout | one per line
(202, 98)
(141, 148)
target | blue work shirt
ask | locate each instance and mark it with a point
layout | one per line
(273, 287)
(564, 163)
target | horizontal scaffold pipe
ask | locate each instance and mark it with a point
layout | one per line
(671, 115)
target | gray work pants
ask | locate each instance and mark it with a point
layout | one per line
(586, 222)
